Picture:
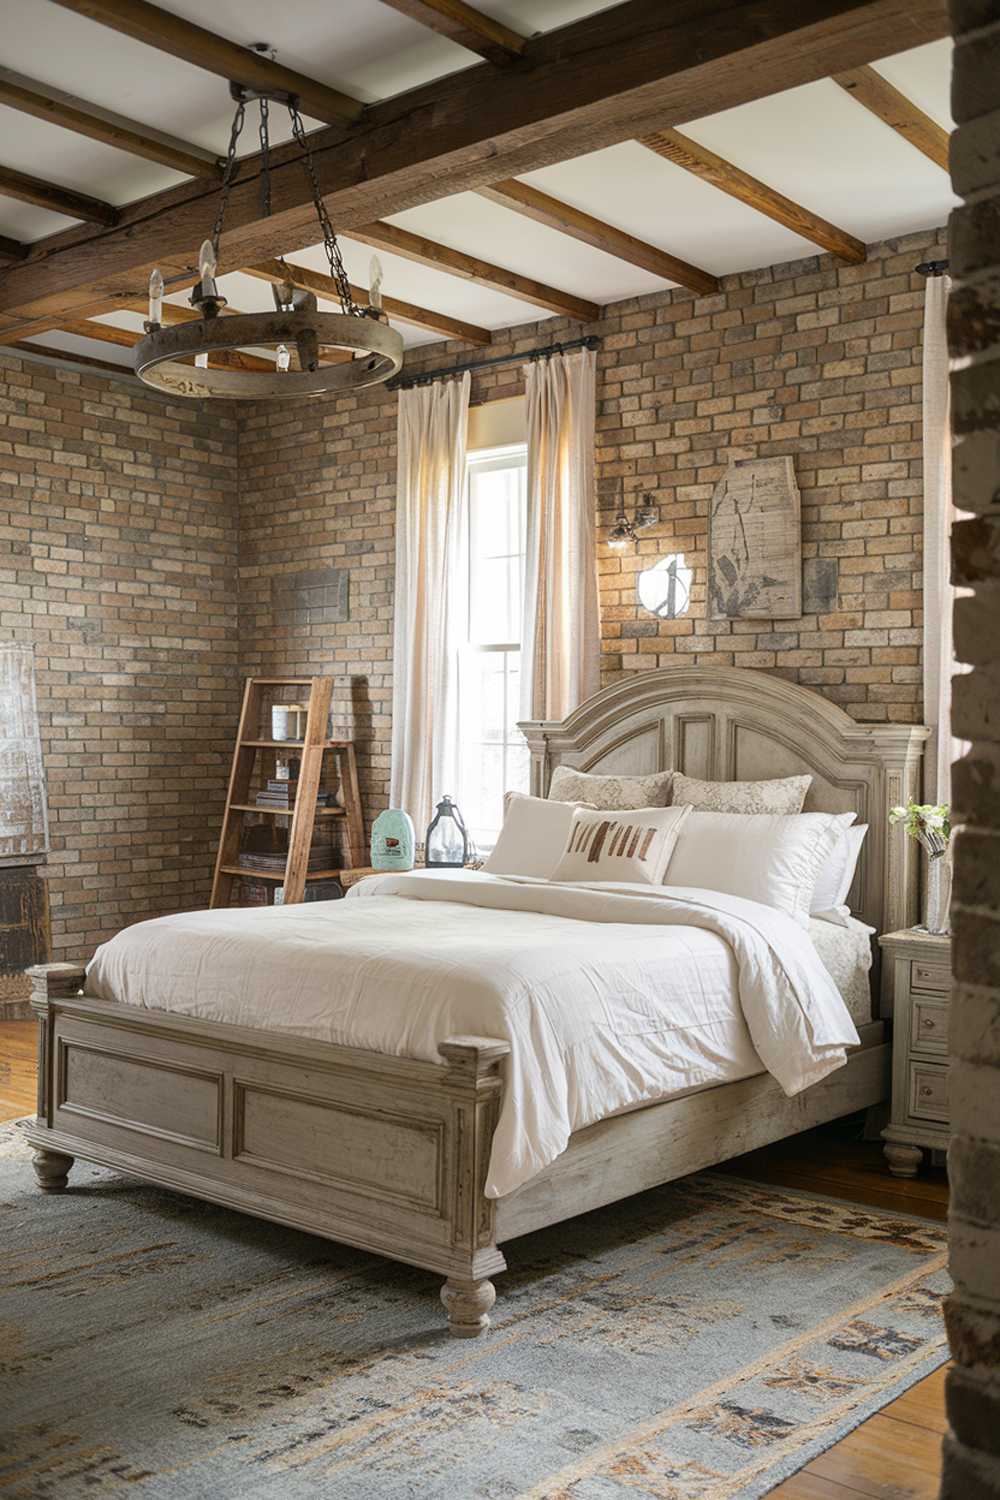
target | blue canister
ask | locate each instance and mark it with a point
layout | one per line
(393, 840)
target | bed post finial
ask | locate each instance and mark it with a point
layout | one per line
(55, 982)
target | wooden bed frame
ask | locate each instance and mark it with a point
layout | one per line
(390, 1154)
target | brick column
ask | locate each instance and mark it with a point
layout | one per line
(972, 1448)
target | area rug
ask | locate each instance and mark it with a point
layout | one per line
(699, 1342)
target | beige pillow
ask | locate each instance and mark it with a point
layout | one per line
(634, 845)
(610, 793)
(785, 795)
(532, 838)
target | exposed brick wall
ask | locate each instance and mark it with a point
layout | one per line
(119, 512)
(815, 358)
(118, 562)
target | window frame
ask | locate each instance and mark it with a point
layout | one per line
(486, 460)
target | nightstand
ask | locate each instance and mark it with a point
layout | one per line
(920, 976)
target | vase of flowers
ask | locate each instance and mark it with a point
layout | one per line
(931, 827)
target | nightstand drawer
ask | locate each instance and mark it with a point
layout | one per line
(930, 976)
(928, 1092)
(928, 1025)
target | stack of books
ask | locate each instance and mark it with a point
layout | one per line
(281, 794)
(272, 862)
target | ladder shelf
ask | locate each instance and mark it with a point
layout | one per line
(304, 812)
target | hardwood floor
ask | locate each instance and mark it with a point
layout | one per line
(896, 1454)
(17, 1069)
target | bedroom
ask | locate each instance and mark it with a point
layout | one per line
(646, 447)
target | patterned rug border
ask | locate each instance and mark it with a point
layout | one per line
(755, 1489)
(755, 1184)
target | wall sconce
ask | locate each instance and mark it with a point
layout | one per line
(625, 531)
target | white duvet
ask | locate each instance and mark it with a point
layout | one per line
(611, 996)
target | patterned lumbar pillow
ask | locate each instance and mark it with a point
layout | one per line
(610, 793)
(634, 845)
(785, 795)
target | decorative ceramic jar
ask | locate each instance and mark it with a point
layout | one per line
(393, 840)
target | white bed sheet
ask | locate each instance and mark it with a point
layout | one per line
(610, 997)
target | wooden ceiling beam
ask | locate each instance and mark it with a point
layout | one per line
(46, 103)
(554, 214)
(60, 356)
(59, 200)
(425, 252)
(127, 338)
(277, 271)
(620, 73)
(883, 99)
(722, 174)
(121, 300)
(462, 24)
(215, 54)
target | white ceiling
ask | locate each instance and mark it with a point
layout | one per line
(815, 144)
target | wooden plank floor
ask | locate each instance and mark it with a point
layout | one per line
(896, 1454)
(17, 1069)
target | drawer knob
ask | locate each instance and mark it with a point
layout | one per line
(928, 1024)
(925, 1091)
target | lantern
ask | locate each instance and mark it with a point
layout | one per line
(447, 843)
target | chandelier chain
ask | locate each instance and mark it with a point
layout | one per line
(228, 175)
(265, 160)
(337, 268)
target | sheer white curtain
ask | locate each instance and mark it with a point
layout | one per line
(939, 514)
(560, 636)
(430, 489)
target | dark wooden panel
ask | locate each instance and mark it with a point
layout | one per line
(24, 933)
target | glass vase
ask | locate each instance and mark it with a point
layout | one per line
(937, 899)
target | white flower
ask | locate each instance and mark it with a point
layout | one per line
(897, 812)
(934, 819)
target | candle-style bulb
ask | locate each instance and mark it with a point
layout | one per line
(284, 358)
(201, 360)
(375, 279)
(207, 264)
(155, 295)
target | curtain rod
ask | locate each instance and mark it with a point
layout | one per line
(931, 268)
(406, 382)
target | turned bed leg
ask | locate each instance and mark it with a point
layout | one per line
(468, 1305)
(904, 1161)
(52, 1170)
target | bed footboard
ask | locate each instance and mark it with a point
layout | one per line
(385, 1153)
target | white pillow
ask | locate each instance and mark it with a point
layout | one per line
(834, 879)
(784, 795)
(532, 838)
(633, 845)
(768, 857)
(611, 793)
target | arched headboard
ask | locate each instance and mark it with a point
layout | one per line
(727, 724)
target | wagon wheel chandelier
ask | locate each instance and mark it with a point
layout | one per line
(176, 359)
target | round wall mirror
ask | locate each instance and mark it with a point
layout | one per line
(665, 588)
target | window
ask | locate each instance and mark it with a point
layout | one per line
(494, 755)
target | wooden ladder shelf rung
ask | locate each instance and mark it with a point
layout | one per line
(310, 751)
